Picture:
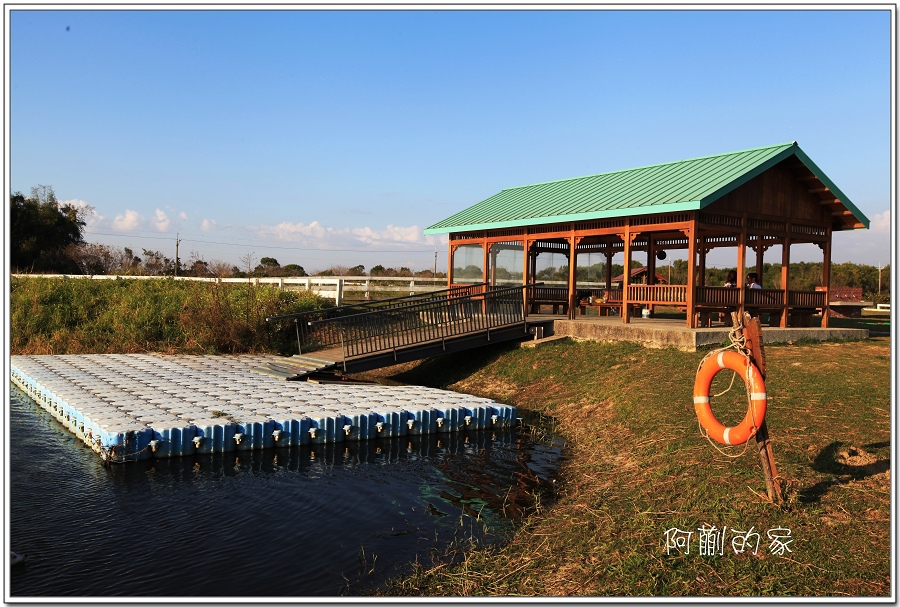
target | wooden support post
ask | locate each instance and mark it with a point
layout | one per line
(451, 250)
(573, 262)
(826, 276)
(609, 258)
(742, 262)
(760, 251)
(701, 267)
(752, 333)
(626, 274)
(691, 276)
(485, 261)
(786, 277)
(526, 258)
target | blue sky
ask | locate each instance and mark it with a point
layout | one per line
(336, 137)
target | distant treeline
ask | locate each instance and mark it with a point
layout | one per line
(78, 316)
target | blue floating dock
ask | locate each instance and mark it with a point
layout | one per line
(128, 407)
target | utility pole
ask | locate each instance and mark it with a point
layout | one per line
(434, 273)
(177, 242)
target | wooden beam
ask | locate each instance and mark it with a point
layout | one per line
(829, 201)
(818, 190)
(843, 213)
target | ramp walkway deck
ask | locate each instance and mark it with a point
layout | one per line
(351, 339)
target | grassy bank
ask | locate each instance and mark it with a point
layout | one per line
(77, 316)
(639, 467)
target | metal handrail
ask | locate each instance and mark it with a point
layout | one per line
(420, 322)
(310, 337)
(380, 303)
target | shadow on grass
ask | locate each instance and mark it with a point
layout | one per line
(829, 461)
(443, 371)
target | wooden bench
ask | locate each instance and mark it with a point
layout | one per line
(605, 308)
(801, 317)
(557, 304)
(719, 313)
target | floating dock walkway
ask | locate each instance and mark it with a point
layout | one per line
(128, 407)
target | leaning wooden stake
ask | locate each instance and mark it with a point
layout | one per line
(752, 333)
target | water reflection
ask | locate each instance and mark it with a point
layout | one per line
(299, 521)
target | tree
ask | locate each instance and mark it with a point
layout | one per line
(247, 260)
(220, 269)
(131, 262)
(40, 230)
(198, 268)
(335, 271)
(293, 269)
(95, 258)
(157, 264)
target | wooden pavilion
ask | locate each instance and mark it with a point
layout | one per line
(750, 200)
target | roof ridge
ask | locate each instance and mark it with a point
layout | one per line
(650, 166)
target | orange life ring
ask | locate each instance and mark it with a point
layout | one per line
(756, 411)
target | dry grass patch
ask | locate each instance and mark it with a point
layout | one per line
(638, 466)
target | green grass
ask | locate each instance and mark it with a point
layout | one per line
(639, 465)
(78, 316)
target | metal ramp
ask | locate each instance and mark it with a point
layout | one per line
(379, 334)
(294, 367)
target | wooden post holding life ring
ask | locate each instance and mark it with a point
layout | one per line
(756, 411)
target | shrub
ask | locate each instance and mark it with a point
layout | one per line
(79, 316)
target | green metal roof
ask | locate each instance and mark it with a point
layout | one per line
(674, 186)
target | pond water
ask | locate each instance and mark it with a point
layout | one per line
(328, 520)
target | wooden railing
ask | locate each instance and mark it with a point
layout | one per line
(763, 298)
(657, 294)
(708, 297)
(806, 299)
(717, 296)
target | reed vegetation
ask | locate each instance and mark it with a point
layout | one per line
(82, 316)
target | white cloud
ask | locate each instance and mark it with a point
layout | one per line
(183, 215)
(288, 231)
(881, 222)
(207, 225)
(131, 220)
(367, 238)
(162, 220)
(870, 247)
(393, 234)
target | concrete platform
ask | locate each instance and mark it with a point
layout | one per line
(133, 406)
(664, 333)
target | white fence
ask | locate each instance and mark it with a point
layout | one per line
(329, 287)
